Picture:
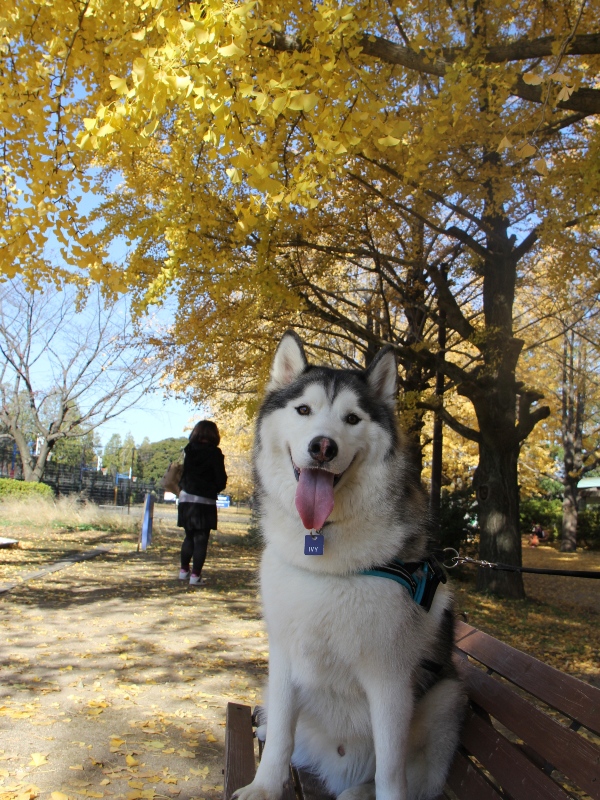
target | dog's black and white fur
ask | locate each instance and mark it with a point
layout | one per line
(361, 686)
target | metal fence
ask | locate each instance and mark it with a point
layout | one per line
(87, 482)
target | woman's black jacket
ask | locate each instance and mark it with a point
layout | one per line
(203, 470)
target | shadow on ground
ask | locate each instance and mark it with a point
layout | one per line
(115, 675)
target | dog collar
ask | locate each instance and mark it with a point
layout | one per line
(420, 578)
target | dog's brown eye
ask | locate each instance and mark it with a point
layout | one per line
(352, 419)
(303, 410)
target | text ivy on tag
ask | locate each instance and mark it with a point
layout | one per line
(313, 544)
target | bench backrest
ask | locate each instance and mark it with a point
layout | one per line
(530, 729)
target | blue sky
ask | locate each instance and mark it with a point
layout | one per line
(156, 417)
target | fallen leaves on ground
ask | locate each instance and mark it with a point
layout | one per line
(558, 623)
(117, 675)
(122, 673)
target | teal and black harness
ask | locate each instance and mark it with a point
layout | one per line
(419, 578)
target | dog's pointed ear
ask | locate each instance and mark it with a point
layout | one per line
(382, 375)
(289, 362)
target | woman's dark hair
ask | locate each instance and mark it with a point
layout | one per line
(206, 431)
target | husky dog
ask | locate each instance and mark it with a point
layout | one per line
(361, 686)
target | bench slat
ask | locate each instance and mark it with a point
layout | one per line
(573, 697)
(567, 751)
(513, 771)
(240, 762)
(467, 781)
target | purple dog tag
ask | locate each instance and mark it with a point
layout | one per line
(313, 545)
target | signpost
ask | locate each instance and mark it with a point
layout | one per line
(146, 535)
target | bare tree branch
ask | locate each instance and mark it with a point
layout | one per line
(451, 422)
(66, 371)
(583, 101)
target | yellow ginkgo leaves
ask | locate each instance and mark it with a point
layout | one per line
(119, 85)
(533, 79)
(230, 50)
(523, 151)
(567, 83)
(526, 150)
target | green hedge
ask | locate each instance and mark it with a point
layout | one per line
(548, 513)
(588, 528)
(11, 488)
(458, 520)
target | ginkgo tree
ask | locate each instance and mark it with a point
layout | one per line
(564, 352)
(243, 132)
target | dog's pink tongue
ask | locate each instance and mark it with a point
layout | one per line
(314, 497)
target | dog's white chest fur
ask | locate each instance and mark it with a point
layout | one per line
(334, 625)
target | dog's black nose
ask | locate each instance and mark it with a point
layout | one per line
(322, 449)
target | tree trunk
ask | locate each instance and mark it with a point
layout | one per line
(568, 542)
(437, 445)
(24, 452)
(495, 397)
(415, 378)
(573, 413)
(437, 458)
(497, 488)
(33, 466)
(40, 463)
(435, 492)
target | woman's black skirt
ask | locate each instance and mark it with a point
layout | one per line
(197, 516)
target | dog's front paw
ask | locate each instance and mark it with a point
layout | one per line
(256, 791)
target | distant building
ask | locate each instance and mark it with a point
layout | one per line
(588, 492)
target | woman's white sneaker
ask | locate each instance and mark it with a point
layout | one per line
(197, 580)
(184, 574)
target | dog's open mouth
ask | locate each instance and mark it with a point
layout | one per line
(314, 495)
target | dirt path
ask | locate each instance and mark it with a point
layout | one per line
(579, 593)
(115, 675)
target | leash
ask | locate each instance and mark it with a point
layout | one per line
(422, 578)
(457, 559)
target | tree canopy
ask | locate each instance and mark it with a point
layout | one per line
(153, 458)
(223, 116)
(368, 172)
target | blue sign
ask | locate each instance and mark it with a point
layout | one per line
(223, 501)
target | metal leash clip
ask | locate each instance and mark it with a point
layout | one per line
(457, 559)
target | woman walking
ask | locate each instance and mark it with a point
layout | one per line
(203, 478)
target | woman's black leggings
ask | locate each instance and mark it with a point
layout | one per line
(194, 547)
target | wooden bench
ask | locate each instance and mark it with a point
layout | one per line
(531, 732)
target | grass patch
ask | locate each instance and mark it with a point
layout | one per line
(47, 530)
(66, 513)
